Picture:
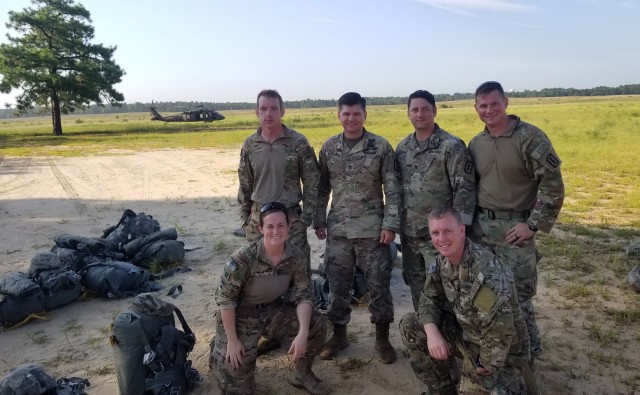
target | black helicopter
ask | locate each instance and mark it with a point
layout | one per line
(199, 115)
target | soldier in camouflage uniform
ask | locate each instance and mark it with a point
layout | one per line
(274, 162)
(362, 222)
(250, 295)
(520, 191)
(468, 307)
(277, 164)
(435, 170)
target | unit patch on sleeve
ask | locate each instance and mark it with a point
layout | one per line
(468, 167)
(553, 161)
(540, 150)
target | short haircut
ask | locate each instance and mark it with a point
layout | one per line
(422, 94)
(441, 212)
(488, 87)
(272, 93)
(273, 207)
(351, 99)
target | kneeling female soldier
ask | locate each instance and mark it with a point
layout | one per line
(250, 295)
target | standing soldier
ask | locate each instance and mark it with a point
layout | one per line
(520, 191)
(435, 170)
(468, 307)
(362, 222)
(277, 164)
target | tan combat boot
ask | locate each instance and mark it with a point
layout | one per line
(337, 342)
(386, 353)
(303, 377)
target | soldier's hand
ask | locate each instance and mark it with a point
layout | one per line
(519, 234)
(298, 347)
(387, 236)
(321, 232)
(235, 353)
(437, 345)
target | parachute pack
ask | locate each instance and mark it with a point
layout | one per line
(32, 379)
(150, 353)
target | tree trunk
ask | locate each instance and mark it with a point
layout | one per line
(55, 113)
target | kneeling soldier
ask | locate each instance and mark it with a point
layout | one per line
(250, 295)
(468, 307)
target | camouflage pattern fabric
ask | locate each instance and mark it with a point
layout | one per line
(341, 257)
(481, 292)
(439, 173)
(299, 167)
(434, 373)
(417, 254)
(360, 207)
(248, 270)
(519, 171)
(297, 230)
(250, 322)
(522, 260)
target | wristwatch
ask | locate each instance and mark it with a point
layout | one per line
(533, 228)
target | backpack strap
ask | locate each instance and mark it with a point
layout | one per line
(149, 353)
(183, 322)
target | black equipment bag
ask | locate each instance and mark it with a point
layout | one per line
(131, 226)
(114, 279)
(150, 352)
(59, 286)
(19, 298)
(28, 379)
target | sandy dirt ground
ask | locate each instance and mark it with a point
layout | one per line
(194, 191)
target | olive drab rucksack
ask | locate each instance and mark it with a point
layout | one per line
(20, 299)
(60, 286)
(150, 353)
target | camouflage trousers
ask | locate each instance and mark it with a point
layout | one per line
(523, 261)
(250, 322)
(438, 375)
(417, 254)
(297, 229)
(340, 258)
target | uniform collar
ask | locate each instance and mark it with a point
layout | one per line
(509, 131)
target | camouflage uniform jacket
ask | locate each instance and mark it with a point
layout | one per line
(250, 279)
(299, 164)
(438, 173)
(356, 178)
(528, 168)
(482, 294)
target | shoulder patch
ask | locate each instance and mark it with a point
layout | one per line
(468, 167)
(553, 161)
(540, 150)
(433, 268)
(232, 265)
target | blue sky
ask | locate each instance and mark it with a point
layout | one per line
(197, 50)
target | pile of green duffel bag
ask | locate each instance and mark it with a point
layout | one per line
(115, 265)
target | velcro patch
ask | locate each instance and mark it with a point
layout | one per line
(468, 167)
(540, 150)
(553, 161)
(232, 265)
(485, 299)
(433, 268)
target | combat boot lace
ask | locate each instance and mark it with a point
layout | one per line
(386, 353)
(337, 342)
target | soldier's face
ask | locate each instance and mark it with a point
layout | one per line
(275, 228)
(269, 112)
(448, 236)
(492, 108)
(421, 114)
(352, 119)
